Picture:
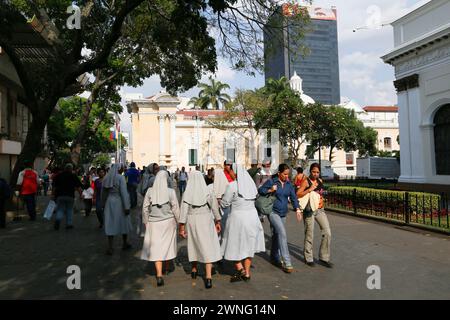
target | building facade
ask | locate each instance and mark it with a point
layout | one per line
(15, 119)
(165, 130)
(320, 68)
(421, 58)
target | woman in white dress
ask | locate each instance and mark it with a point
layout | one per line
(200, 224)
(244, 234)
(160, 212)
(117, 207)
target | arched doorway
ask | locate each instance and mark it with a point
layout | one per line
(442, 140)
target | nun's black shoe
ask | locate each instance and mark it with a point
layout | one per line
(159, 281)
(310, 263)
(238, 276)
(126, 246)
(208, 283)
(194, 274)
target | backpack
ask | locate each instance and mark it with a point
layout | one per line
(264, 204)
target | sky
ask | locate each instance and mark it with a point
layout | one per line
(364, 77)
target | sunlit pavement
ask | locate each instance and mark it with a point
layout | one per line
(34, 260)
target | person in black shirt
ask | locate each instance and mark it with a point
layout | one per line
(209, 178)
(65, 185)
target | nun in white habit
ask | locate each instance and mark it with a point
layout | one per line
(117, 207)
(160, 212)
(219, 186)
(244, 234)
(200, 224)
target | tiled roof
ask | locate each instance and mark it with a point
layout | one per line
(381, 109)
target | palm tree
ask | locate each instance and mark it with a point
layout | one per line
(199, 102)
(211, 94)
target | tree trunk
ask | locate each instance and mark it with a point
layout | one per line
(75, 149)
(31, 147)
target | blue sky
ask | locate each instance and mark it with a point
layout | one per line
(363, 75)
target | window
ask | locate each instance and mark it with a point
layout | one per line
(442, 140)
(349, 159)
(268, 152)
(387, 143)
(231, 155)
(193, 157)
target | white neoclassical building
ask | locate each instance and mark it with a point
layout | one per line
(165, 129)
(421, 57)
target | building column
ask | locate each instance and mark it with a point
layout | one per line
(173, 140)
(161, 118)
(405, 137)
(417, 147)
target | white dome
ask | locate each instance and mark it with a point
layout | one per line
(296, 84)
(307, 99)
(351, 105)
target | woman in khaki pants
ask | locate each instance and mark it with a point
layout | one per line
(315, 212)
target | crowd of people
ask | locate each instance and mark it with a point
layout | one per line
(216, 212)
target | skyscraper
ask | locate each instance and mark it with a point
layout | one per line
(320, 68)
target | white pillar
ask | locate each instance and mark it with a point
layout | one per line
(417, 146)
(161, 137)
(405, 137)
(173, 147)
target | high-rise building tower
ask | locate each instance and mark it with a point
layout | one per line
(320, 68)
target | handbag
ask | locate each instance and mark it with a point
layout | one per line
(264, 204)
(50, 209)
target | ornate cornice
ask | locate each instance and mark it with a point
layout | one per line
(423, 59)
(406, 83)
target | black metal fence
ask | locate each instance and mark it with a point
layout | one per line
(365, 183)
(429, 210)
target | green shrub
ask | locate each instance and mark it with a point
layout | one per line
(418, 201)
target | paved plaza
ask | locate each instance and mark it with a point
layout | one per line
(414, 265)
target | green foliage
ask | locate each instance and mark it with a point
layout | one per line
(101, 160)
(63, 126)
(419, 201)
(287, 112)
(339, 128)
(211, 95)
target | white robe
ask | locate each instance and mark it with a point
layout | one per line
(116, 222)
(244, 234)
(160, 240)
(202, 238)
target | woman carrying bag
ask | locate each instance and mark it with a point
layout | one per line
(311, 199)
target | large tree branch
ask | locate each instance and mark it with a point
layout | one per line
(110, 41)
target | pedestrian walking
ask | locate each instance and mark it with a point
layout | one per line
(87, 195)
(116, 207)
(160, 212)
(312, 187)
(182, 180)
(264, 174)
(200, 224)
(133, 178)
(283, 190)
(254, 169)
(209, 178)
(299, 178)
(45, 181)
(65, 185)
(98, 196)
(28, 184)
(244, 234)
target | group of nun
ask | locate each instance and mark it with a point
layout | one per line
(219, 222)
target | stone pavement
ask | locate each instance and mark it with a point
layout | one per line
(34, 259)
